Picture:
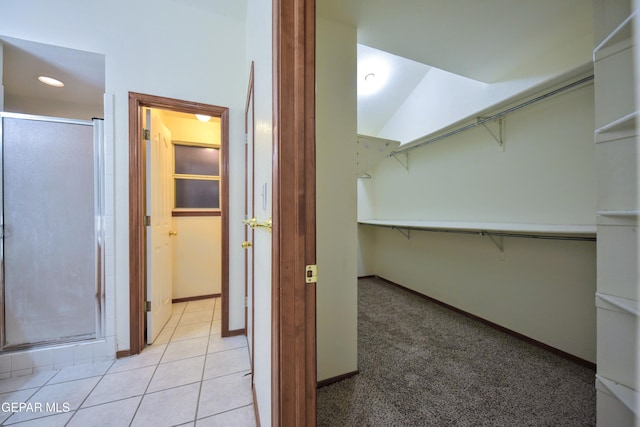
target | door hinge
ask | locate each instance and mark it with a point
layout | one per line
(146, 134)
(246, 138)
(147, 306)
(311, 274)
(246, 301)
(147, 220)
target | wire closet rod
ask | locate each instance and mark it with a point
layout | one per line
(497, 234)
(484, 120)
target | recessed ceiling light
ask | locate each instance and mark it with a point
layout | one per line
(203, 117)
(369, 77)
(50, 81)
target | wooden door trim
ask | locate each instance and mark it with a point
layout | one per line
(137, 256)
(294, 240)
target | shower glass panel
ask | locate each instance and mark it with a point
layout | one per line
(51, 284)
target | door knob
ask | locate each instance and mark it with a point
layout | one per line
(246, 245)
(250, 222)
(173, 233)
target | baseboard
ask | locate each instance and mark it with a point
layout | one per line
(123, 353)
(255, 406)
(199, 297)
(336, 379)
(515, 334)
(236, 332)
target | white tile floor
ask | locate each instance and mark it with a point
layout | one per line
(189, 377)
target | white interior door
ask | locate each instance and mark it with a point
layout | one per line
(159, 232)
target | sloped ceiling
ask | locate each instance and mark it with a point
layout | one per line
(490, 41)
(486, 40)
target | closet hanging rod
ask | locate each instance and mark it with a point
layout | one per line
(493, 233)
(483, 120)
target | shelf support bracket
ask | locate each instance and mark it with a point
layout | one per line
(406, 234)
(497, 240)
(405, 163)
(500, 137)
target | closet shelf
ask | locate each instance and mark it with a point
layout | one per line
(623, 213)
(489, 228)
(626, 305)
(624, 127)
(621, 38)
(626, 395)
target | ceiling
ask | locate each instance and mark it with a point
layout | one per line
(81, 72)
(482, 40)
(489, 41)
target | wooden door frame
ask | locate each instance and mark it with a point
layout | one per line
(137, 230)
(294, 378)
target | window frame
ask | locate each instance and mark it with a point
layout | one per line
(178, 212)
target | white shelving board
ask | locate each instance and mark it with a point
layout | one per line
(560, 229)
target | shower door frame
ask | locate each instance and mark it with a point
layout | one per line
(99, 230)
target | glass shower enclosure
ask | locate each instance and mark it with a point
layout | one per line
(52, 231)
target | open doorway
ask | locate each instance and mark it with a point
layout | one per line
(161, 231)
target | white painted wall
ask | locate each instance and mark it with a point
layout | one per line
(336, 199)
(153, 47)
(546, 175)
(197, 256)
(259, 50)
(443, 98)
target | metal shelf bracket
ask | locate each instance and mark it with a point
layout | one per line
(500, 137)
(405, 162)
(498, 241)
(406, 233)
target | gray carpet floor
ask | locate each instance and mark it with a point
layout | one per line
(422, 364)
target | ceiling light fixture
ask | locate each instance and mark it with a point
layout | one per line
(203, 117)
(373, 74)
(50, 81)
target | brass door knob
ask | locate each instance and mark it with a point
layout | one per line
(173, 233)
(246, 245)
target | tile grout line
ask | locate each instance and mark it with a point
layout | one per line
(204, 365)
(88, 394)
(154, 370)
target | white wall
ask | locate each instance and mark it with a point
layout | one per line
(197, 256)
(336, 199)
(443, 98)
(259, 50)
(546, 175)
(154, 48)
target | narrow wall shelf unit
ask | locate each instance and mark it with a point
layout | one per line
(616, 138)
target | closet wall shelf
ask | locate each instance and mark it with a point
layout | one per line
(626, 305)
(540, 231)
(619, 39)
(626, 395)
(621, 213)
(624, 127)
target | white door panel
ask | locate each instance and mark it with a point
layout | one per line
(159, 232)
